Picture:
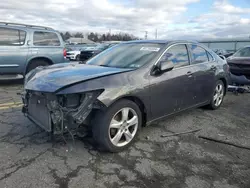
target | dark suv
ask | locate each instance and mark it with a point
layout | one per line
(91, 52)
(25, 47)
(121, 89)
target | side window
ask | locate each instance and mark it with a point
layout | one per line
(41, 38)
(177, 55)
(199, 55)
(210, 57)
(12, 37)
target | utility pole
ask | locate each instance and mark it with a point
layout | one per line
(146, 35)
(156, 34)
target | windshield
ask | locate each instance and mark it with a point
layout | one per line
(130, 55)
(102, 47)
(244, 52)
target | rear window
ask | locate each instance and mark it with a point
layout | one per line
(42, 38)
(12, 37)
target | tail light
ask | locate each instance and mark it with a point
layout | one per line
(64, 53)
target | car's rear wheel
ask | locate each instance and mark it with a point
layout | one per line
(36, 63)
(117, 127)
(218, 96)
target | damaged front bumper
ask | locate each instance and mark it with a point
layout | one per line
(59, 113)
(239, 80)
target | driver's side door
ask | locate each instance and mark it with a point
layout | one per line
(172, 91)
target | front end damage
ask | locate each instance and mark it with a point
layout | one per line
(60, 113)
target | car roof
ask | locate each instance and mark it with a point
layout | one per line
(248, 46)
(25, 27)
(162, 41)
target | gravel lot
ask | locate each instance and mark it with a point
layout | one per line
(28, 159)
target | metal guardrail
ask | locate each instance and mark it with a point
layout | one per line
(25, 25)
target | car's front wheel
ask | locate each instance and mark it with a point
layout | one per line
(78, 57)
(36, 63)
(218, 96)
(117, 127)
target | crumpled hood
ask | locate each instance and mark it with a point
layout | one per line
(52, 78)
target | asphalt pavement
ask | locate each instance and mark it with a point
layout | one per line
(29, 159)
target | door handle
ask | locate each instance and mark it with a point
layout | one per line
(189, 74)
(213, 68)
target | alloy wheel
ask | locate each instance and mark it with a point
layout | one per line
(218, 95)
(123, 127)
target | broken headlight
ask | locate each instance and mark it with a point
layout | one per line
(71, 100)
(78, 106)
(77, 99)
(71, 109)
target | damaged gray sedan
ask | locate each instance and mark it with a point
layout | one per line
(123, 88)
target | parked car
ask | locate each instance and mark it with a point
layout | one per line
(124, 88)
(239, 62)
(91, 52)
(68, 49)
(25, 47)
(75, 54)
(223, 52)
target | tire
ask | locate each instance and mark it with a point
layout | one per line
(36, 63)
(105, 135)
(213, 103)
(78, 58)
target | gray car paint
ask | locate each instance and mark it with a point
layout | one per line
(15, 59)
(160, 95)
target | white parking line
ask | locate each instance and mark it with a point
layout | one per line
(10, 105)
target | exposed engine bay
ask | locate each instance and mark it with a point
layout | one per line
(59, 113)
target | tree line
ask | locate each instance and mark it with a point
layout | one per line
(96, 37)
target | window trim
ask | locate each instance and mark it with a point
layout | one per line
(185, 44)
(213, 59)
(60, 43)
(24, 42)
(207, 53)
(203, 49)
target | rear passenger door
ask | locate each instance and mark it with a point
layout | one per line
(204, 67)
(47, 44)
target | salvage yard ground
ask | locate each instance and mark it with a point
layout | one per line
(28, 159)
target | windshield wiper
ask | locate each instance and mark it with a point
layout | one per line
(104, 66)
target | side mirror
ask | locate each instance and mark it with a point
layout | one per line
(166, 66)
(162, 66)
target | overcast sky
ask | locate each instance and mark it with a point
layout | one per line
(172, 18)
